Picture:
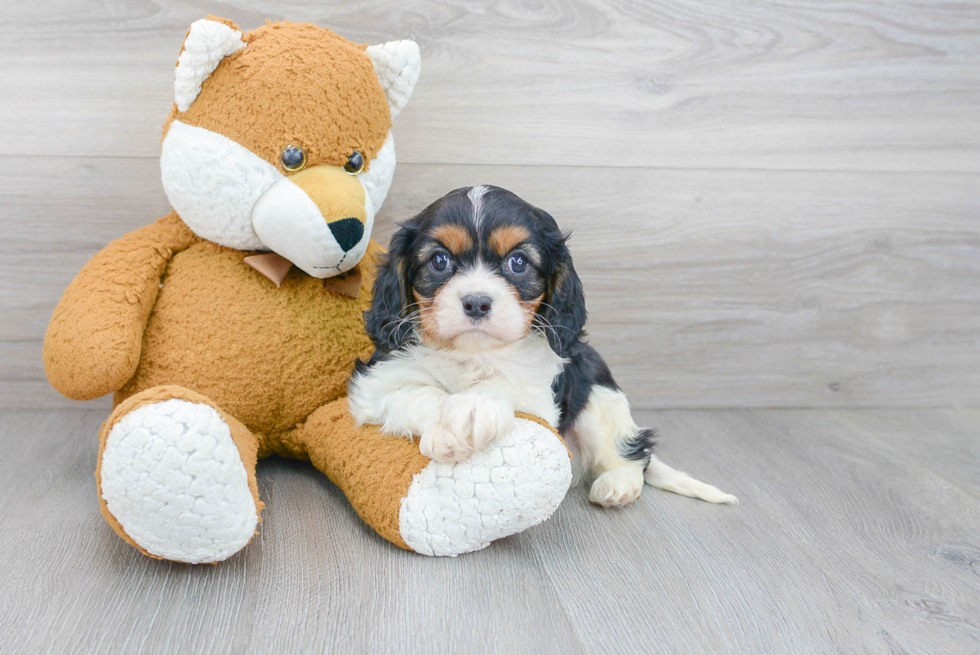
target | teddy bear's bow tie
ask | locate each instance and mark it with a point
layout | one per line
(276, 268)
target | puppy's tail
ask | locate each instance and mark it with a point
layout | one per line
(663, 476)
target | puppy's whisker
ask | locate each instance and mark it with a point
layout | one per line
(411, 318)
(555, 310)
(393, 327)
(545, 325)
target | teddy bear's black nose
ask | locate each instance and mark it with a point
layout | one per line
(347, 232)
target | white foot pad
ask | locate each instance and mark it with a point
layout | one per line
(514, 484)
(173, 477)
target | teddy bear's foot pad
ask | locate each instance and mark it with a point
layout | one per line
(514, 484)
(174, 479)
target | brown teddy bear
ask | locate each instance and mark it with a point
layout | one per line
(227, 329)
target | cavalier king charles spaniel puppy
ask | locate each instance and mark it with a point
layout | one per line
(478, 313)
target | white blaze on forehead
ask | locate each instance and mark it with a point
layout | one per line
(478, 280)
(475, 195)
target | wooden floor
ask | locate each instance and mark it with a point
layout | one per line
(858, 531)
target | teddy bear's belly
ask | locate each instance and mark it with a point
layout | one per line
(269, 356)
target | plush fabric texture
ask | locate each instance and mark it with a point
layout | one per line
(172, 476)
(213, 183)
(95, 338)
(373, 470)
(297, 218)
(294, 84)
(398, 64)
(515, 483)
(377, 179)
(440, 509)
(244, 440)
(285, 351)
(206, 44)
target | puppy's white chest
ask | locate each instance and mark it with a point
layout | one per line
(524, 371)
(459, 375)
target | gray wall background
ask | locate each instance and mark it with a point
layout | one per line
(774, 205)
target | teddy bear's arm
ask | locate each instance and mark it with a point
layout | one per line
(92, 346)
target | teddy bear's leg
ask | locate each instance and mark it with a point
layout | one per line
(176, 476)
(440, 509)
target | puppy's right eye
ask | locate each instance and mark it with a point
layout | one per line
(517, 264)
(439, 262)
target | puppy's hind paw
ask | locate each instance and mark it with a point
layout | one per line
(617, 487)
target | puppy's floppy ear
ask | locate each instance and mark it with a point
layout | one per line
(384, 321)
(565, 309)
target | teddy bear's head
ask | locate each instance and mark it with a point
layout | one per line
(279, 139)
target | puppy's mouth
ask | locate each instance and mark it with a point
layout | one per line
(481, 334)
(477, 337)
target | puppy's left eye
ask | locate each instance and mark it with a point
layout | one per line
(517, 264)
(439, 262)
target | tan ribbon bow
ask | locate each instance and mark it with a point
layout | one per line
(276, 268)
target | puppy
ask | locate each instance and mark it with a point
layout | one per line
(478, 313)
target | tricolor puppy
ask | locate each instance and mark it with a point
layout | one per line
(478, 313)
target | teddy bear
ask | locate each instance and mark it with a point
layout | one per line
(227, 329)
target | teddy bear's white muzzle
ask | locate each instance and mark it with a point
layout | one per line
(288, 222)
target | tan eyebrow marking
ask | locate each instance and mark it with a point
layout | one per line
(455, 237)
(504, 239)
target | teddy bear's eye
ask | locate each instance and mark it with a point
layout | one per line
(293, 158)
(355, 163)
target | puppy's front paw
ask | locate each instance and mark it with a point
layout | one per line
(617, 487)
(477, 419)
(442, 445)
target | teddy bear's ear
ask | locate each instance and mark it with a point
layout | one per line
(397, 64)
(207, 42)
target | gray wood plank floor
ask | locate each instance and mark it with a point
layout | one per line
(858, 531)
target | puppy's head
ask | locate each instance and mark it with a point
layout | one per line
(477, 269)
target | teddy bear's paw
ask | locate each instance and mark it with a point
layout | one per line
(512, 485)
(172, 476)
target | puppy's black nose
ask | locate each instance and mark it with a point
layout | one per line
(476, 306)
(347, 232)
